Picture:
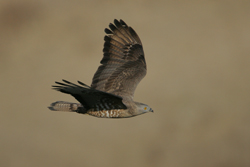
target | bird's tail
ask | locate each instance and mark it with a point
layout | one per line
(67, 106)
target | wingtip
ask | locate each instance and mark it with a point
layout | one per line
(116, 21)
(107, 31)
(123, 23)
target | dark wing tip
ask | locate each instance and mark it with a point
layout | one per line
(59, 83)
(123, 23)
(107, 31)
(116, 21)
(66, 81)
(107, 39)
(83, 84)
(112, 27)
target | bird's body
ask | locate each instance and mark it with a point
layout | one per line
(111, 93)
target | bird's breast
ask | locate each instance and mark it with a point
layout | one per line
(115, 113)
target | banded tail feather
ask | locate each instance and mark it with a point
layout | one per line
(67, 106)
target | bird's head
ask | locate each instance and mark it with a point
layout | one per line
(143, 108)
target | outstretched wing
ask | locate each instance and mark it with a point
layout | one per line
(123, 64)
(90, 98)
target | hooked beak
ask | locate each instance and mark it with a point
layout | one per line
(151, 110)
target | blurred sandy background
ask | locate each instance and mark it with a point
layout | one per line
(198, 84)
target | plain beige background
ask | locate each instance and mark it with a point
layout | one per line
(198, 84)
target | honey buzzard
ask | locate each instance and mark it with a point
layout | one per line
(111, 93)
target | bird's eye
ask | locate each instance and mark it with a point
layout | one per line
(145, 108)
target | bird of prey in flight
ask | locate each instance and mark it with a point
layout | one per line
(111, 93)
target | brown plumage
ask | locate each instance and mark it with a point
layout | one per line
(111, 93)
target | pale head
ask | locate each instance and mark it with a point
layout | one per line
(143, 108)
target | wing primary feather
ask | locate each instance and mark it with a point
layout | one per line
(117, 28)
(71, 84)
(134, 34)
(112, 55)
(111, 40)
(112, 27)
(108, 45)
(116, 31)
(116, 37)
(125, 32)
(61, 83)
(107, 31)
(123, 23)
(83, 84)
(107, 50)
